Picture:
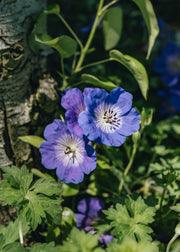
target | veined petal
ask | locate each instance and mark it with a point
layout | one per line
(72, 122)
(69, 174)
(73, 100)
(94, 98)
(130, 123)
(53, 129)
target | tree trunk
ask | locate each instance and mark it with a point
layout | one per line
(20, 70)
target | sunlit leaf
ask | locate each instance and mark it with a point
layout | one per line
(131, 219)
(33, 140)
(87, 78)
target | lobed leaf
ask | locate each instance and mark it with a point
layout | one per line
(131, 220)
(11, 232)
(135, 67)
(36, 201)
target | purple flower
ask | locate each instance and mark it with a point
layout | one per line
(89, 212)
(169, 64)
(73, 102)
(109, 118)
(67, 153)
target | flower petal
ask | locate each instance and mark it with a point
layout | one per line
(94, 98)
(130, 123)
(55, 128)
(73, 100)
(72, 122)
(69, 174)
(48, 157)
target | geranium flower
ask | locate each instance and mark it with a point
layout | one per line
(67, 153)
(109, 118)
(73, 102)
(89, 212)
(169, 64)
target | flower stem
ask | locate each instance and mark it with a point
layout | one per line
(128, 166)
(20, 233)
(108, 5)
(71, 31)
(95, 63)
(171, 241)
(162, 197)
(90, 38)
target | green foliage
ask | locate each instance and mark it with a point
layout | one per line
(150, 20)
(135, 67)
(10, 233)
(87, 78)
(131, 220)
(176, 208)
(36, 201)
(112, 27)
(65, 45)
(33, 140)
(130, 245)
(79, 241)
(70, 190)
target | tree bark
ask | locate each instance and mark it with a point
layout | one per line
(20, 69)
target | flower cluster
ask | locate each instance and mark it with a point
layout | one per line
(94, 115)
(168, 65)
(89, 213)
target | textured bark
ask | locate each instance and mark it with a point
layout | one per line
(20, 69)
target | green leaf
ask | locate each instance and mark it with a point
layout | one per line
(53, 9)
(131, 220)
(65, 45)
(13, 190)
(36, 201)
(131, 245)
(112, 26)
(33, 140)
(70, 190)
(79, 241)
(135, 67)
(150, 20)
(44, 247)
(176, 208)
(98, 83)
(11, 232)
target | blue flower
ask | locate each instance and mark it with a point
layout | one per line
(165, 31)
(73, 102)
(66, 152)
(109, 118)
(169, 64)
(89, 213)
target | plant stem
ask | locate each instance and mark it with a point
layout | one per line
(71, 31)
(162, 197)
(128, 166)
(95, 63)
(20, 233)
(171, 241)
(108, 5)
(90, 38)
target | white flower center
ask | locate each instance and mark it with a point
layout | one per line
(108, 117)
(70, 150)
